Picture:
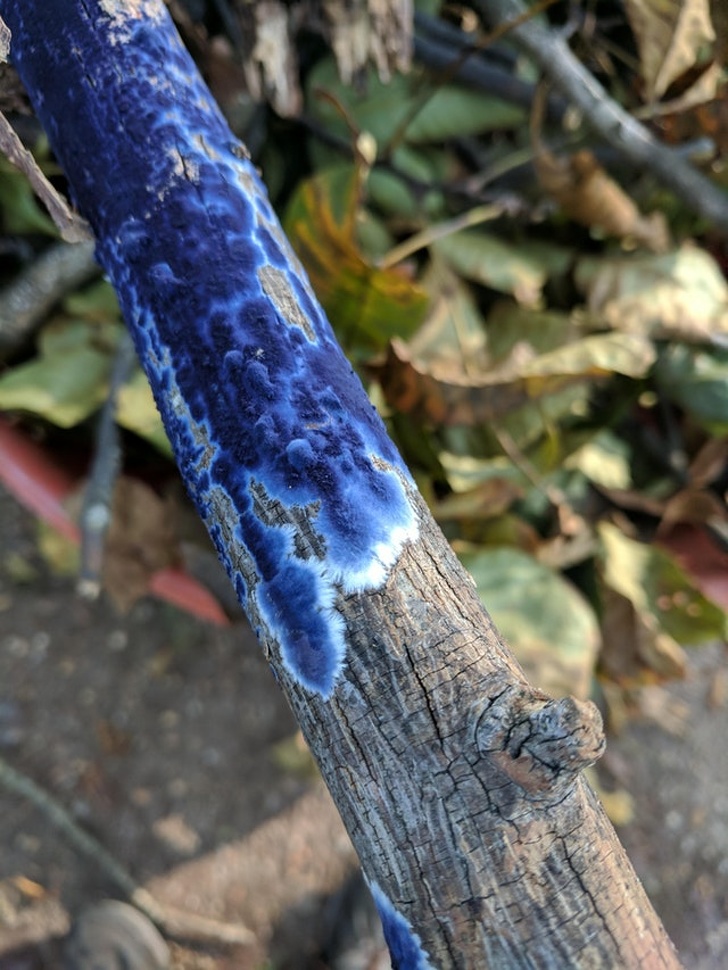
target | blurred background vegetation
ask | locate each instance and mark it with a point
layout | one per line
(543, 327)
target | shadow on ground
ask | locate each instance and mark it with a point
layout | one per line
(162, 737)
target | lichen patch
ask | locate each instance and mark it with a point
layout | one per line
(277, 288)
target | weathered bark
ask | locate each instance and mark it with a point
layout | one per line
(459, 784)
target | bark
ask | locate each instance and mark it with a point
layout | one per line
(460, 785)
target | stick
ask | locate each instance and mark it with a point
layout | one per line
(176, 923)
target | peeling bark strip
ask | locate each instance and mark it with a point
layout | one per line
(459, 784)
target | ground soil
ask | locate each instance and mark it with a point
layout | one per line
(169, 741)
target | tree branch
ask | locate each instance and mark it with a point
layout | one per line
(618, 128)
(25, 302)
(459, 784)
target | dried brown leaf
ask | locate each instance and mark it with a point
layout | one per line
(710, 462)
(447, 393)
(589, 196)
(140, 542)
(670, 35)
(634, 650)
(694, 506)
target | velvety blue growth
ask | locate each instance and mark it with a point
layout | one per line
(302, 490)
(404, 945)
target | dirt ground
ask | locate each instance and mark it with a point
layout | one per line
(169, 742)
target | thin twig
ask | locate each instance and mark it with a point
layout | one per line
(96, 510)
(615, 125)
(473, 217)
(71, 226)
(174, 922)
(25, 302)
(446, 55)
(450, 71)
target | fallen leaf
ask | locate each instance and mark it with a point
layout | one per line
(709, 462)
(589, 196)
(693, 506)
(666, 600)
(446, 394)
(634, 649)
(140, 541)
(69, 378)
(519, 269)
(681, 294)
(489, 499)
(365, 304)
(466, 472)
(451, 111)
(696, 379)
(511, 327)
(605, 460)
(548, 623)
(671, 35)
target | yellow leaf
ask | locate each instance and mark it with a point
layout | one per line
(366, 305)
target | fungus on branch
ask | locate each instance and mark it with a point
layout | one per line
(374, 630)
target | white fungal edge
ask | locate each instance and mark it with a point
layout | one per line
(385, 906)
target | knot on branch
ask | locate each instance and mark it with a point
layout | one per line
(541, 744)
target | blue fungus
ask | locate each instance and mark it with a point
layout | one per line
(300, 453)
(404, 944)
(290, 466)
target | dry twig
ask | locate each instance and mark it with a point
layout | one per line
(25, 302)
(174, 922)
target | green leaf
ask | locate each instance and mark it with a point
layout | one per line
(137, 412)
(697, 380)
(409, 188)
(605, 460)
(510, 325)
(533, 420)
(520, 270)
(659, 589)
(455, 112)
(68, 381)
(21, 211)
(599, 354)
(437, 113)
(548, 623)
(466, 472)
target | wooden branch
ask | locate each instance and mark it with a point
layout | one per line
(459, 784)
(25, 303)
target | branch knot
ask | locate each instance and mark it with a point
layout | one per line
(541, 744)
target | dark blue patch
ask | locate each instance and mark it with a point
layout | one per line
(183, 227)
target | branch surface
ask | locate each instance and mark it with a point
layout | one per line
(459, 784)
